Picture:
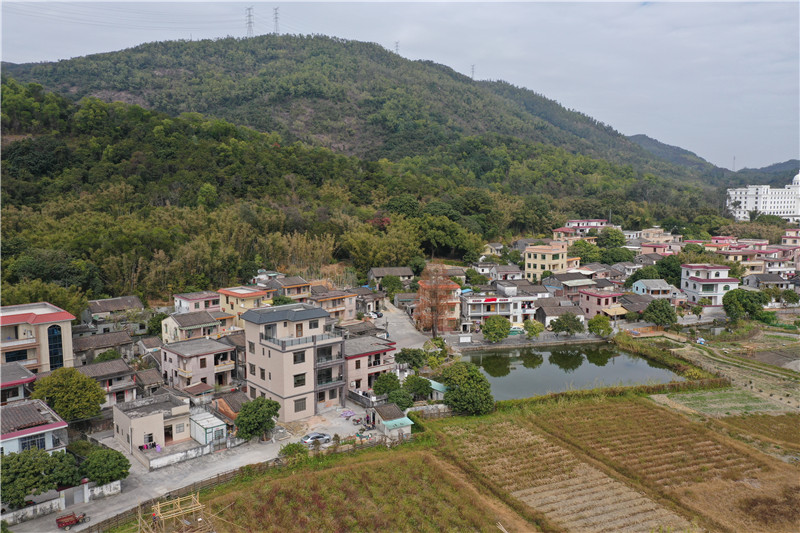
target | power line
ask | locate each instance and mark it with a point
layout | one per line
(249, 12)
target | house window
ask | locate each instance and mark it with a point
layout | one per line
(263, 373)
(300, 405)
(203, 362)
(299, 380)
(197, 305)
(56, 350)
(298, 330)
(252, 369)
(32, 442)
(358, 364)
(148, 438)
(332, 394)
(299, 357)
(251, 347)
(252, 393)
(321, 396)
(358, 383)
(270, 375)
(178, 428)
(16, 355)
(313, 324)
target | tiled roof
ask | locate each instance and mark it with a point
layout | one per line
(390, 411)
(194, 320)
(391, 271)
(290, 312)
(235, 400)
(151, 342)
(26, 414)
(148, 377)
(33, 313)
(202, 295)
(290, 281)
(366, 344)
(105, 368)
(101, 340)
(112, 305)
(198, 388)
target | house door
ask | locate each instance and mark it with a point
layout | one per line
(167, 434)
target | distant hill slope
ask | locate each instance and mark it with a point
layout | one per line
(356, 98)
(673, 154)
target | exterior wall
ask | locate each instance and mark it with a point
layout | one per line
(183, 371)
(708, 287)
(340, 308)
(200, 304)
(784, 202)
(170, 332)
(54, 440)
(362, 370)
(34, 339)
(593, 303)
(34, 511)
(539, 259)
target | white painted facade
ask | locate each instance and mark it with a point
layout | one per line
(784, 202)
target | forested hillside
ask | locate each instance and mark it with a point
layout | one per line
(355, 98)
(114, 199)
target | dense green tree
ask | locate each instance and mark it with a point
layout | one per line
(610, 256)
(105, 465)
(669, 269)
(402, 398)
(281, 300)
(256, 418)
(533, 328)
(70, 299)
(385, 383)
(790, 297)
(567, 323)
(660, 312)
(496, 328)
(740, 303)
(415, 358)
(599, 325)
(473, 278)
(70, 394)
(648, 272)
(64, 469)
(418, 387)
(468, 390)
(392, 285)
(417, 265)
(588, 252)
(610, 238)
(25, 474)
(154, 324)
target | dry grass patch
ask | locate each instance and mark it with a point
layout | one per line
(784, 428)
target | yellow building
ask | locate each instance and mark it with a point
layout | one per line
(551, 257)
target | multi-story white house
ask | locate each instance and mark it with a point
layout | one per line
(514, 300)
(37, 335)
(196, 301)
(784, 203)
(703, 280)
(295, 358)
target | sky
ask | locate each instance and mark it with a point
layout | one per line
(721, 79)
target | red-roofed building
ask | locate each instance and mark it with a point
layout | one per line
(36, 335)
(703, 280)
(595, 302)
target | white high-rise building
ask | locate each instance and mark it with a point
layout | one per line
(784, 203)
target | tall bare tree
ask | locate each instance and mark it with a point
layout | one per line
(436, 298)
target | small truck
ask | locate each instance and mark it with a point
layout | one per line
(68, 520)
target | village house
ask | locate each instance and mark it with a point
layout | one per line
(571, 236)
(392, 422)
(778, 261)
(17, 382)
(592, 271)
(227, 406)
(263, 277)
(148, 381)
(791, 236)
(657, 288)
(367, 300)
(296, 358)
(634, 303)
(161, 420)
(367, 358)
(149, 346)
(30, 425)
(439, 301)
(551, 258)
(584, 226)
(597, 302)
(115, 377)
(627, 268)
(514, 300)
(196, 301)
(483, 268)
(376, 275)
(36, 335)
(493, 248)
(238, 341)
(505, 272)
(125, 313)
(202, 360)
(567, 285)
(87, 348)
(764, 281)
(704, 280)
(192, 325)
(405, 300)
(647, 259)
(237, 300)
(552, 309)
(658, 235)
(293, 287)
(747, 258)
(340, 305)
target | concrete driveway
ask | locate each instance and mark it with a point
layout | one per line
(400, 327)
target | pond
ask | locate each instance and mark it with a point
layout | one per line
(525, 372)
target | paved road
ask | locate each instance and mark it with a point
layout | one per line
(401, 329)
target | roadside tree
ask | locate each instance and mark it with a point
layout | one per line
(740, 303)
(533, 328)
(468, 390)
(70, 394)
(660, 312)
(391, 285)
(600, 325)
(437, 295)
(567, 323)
(256, 418)
(25, 474)
(105, 465)
(496, 328)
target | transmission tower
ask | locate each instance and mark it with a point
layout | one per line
(249, 12)
(275, 19)
(473, 72)
(397, 47)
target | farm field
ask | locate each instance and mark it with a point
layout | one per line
(781, 428)
(725, 402)
(374, 491)
(707, 473)
(573, 495)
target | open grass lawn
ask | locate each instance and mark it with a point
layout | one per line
(724, 402)
(783, 428)
(399, 491)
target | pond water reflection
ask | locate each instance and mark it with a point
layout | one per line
(525, 372)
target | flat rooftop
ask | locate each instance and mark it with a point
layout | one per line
(163, 403)
(33, 313)
(194, 347)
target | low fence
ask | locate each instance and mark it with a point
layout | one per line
(223, 477)
(90, 491)
(366, 401)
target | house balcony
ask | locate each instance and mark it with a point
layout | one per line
(325, 361)
(330, 382)
(19, 344)
(225, 366)
(121, 385)
(386, 361)
(283, 344)
(182, 372)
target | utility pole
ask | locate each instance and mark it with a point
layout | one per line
(275, 19)
(249, 12)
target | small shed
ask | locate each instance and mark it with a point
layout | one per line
(438, 390)
(206, 428)
(392, 422)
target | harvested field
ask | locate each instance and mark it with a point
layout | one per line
(551, 480)
(680, 459)
(725, 402)
(403, 491)
(783, 429)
